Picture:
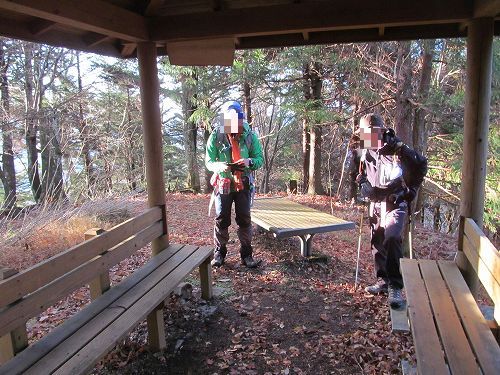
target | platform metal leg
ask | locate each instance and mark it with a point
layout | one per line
(306, 244)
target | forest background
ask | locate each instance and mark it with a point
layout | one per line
(71, 122)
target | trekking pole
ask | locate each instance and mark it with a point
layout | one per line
(359, 247)
(360, 169)
(410, 231)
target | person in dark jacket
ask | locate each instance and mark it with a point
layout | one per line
(233, 151)
(390, 177)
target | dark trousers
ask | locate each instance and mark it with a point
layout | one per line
(386, 241)
(223, 205)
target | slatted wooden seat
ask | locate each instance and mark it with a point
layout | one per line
(284, 218)
(449, 331)
(75, 346)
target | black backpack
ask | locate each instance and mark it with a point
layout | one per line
(414, 166)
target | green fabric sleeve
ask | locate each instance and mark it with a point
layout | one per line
(256, 153)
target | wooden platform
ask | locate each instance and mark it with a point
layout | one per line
(285, 218)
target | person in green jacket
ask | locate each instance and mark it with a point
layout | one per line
(233, 151)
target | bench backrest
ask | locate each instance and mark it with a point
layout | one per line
(28, 293)
(485, 259)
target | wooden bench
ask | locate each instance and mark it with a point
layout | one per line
(449, 331)
(284, 218)
(76, 345)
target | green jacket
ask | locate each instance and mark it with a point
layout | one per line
(219, 150)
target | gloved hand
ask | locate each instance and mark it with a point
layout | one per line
(361, 179)
(403, 195)
(236, 167)
(245, 162)
(220, 167)
(366, 190)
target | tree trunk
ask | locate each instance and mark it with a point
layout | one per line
(208, 174)
(31, 125)
(52, 180)
(190, 132)
(419, 128)
(85, 137)
(403, 116)
(8, 167)
(306, 135)
(130, 154)
(248, 101)
(315, 140)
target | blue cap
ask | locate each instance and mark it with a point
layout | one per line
(234, 105)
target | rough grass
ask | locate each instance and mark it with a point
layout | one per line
(42, 232)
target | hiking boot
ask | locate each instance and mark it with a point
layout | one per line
(380, 287)
(249, 262)
(219, 256)
(395, 298)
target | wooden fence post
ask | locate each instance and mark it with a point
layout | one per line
(16, 340)
(100, 284)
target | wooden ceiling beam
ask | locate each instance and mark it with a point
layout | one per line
(486, 8)
(90, 15)
(17, 30)
(39, 26)
(354, 36)
(296, 18)
(93, 39)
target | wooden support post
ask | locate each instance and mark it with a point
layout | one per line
(151, 122)
(475, 146)
(17, 340)
(156, 329)
(153, 154)
(206, 279)
(102, 283)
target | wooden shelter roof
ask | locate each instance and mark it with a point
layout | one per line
(114, 27)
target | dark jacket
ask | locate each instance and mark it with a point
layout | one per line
(393, 169)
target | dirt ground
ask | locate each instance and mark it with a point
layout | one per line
(288, 316)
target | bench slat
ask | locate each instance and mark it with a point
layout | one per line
(482, 340)
(97, 323)
(85, 359)
(40, 300)
(26, 358)
(430, 359)
(460, 357)
(43, 273)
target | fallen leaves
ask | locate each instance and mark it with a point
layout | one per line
(289, 316)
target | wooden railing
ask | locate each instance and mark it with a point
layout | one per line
(28, 293)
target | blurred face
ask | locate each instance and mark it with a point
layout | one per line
(230, 123)
(371, 138)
